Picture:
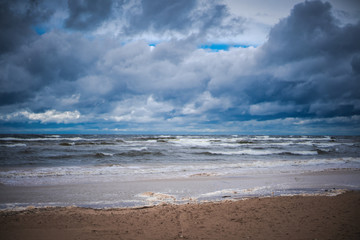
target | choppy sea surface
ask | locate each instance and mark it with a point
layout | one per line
(53, 160)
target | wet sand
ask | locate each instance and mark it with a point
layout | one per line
(293, 217)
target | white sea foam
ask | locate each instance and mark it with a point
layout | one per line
(330, 144)
(157, 196)
(220, 193)
(233, 192)
(105, 154)
(192, 142)
(54, 136)
(263, 152)
(139, 149)
(13, 145)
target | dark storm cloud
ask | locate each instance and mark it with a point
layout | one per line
(179, 18)
(313, 61)
(355, 64)
(161, 16)
(53, 58)
(17, 22)
(146, 16)
(87, 15)
(310, 31)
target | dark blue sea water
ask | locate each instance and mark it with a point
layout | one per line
(55, 159)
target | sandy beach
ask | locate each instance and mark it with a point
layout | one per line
(286, 217)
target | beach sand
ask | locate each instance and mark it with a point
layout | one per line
(288, 217)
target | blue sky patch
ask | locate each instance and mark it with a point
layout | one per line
(215, 47)
(40, 30)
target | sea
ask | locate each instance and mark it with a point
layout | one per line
(103, 171)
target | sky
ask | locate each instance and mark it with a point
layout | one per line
(180, 67)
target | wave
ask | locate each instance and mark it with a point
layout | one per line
(135, 153)
(299, 153)
(67, 144)
(303, 137)
(80, 156)
(87, 143)
(244, 142)
(13, 145)
(259, 152)
(192, 142)
(324, 151)
(197, 141)
(17, 139)
(95, 143)
(102, 154)
(153, 138)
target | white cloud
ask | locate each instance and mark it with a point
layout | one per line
(73, 99)
(95, 85)
(45, 117)
(206, 102)
(266, 12)
(270, 108)
(139, 110)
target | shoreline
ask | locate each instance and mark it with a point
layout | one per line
(162, 201)
(114, 194)
(279, 217)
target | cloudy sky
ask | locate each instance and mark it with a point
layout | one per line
(185, 66)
